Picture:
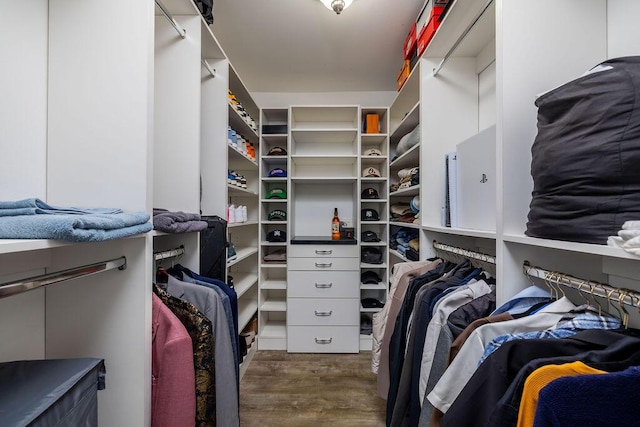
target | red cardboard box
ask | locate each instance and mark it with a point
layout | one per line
(427, 32)
(410, 43)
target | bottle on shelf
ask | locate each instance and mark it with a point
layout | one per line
(335, 225)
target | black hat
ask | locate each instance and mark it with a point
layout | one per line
(277, 215)
(369, 236)
(277, 236)
(369, 193)
(371, 255)
(371, 303)
(277, 151)
(369, 215)
(370, 277)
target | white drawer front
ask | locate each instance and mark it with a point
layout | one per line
(323, 264)
(323, 284)
(321, 311)
(323, 339)
(323, 251)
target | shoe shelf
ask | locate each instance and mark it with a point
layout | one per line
(274, 284)
(274, 305)
(274, 329)
(246, 361)
(243, 282)
(238, 190)
(238, 124)
(236, 155)
(374, 286)
(247, 307)
(241, 254)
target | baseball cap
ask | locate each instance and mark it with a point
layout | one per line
(370, 171)
(369, 236)
(371, 255)
(370, 277)
(277, 172)
(373, 152)
(371, 303)
(277, 215)
(369, 215)
(415, 204)
(277, 151)
(277, 236)
(277, 192)
(369, 193)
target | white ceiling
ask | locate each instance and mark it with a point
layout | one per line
(301, 46)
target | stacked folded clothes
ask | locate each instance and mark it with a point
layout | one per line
(34, 219)
(628, 238)
(177, 222)
(402, 212)
(404, 241)
(408, 177)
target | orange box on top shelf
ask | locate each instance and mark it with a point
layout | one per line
(427, 32)
(411, 42)
(403, 75)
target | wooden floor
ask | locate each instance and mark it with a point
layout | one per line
(282, 389)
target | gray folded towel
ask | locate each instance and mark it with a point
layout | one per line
(177, 222)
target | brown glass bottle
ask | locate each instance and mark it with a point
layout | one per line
(335, 225)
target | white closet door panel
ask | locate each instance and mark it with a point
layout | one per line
(529, 62)
(23, 104)
(100, 94)
(107, 315)
(176, 150)
(622, 23)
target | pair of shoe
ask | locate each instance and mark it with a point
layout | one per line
(236, 214)
(231, 253)
(236, 179)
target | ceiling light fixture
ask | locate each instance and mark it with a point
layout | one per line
(337, 5)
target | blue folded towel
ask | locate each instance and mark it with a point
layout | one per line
(37, 206)
(74, 227)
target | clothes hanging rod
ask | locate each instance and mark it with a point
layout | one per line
(464, 34)
(208, 67)
(464, 252)
(23, 285)
(181, 31)
(620, 295)
(158, 256)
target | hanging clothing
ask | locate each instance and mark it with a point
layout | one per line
(210, 304)
(201, 333)
(173, 384)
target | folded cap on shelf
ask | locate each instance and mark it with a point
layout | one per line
(277, 193)
(370, 172)
(279, 255)
(277, 172)
(369, 215)
(415, 204)
(373, 152)
(277, 236)
(371, 255)
(371, 303)
(370, 277)
(277, 151)
(277, 215)
(369, 236)
(369, 193)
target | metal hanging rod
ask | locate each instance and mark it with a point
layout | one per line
(465, 253)
(208, 67)
(464, 34)
(619, 295)
(158, 256)
(23, 285)
(181, 31)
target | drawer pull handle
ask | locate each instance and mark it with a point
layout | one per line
(323, 340)
(323, 313)
(324, 285)
(324, 265)
(329, 252)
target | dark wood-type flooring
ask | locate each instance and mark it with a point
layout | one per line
(282, 389)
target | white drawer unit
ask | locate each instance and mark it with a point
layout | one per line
(323, 298)
(323, 284)
(323, 339)
(323, 311)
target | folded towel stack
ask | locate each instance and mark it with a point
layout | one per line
(34, 219)
(177, 222)
(628, 238)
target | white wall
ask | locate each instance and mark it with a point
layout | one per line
(284, 99)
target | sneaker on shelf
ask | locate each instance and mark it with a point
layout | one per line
(231, 178)
(231, 214)
(231, 253)
(244, 214)
(239, 214)
(241, 181)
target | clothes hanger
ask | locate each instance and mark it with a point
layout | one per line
(622, 294)
(610, 302)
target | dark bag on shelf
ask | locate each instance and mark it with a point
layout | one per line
(213, 248)
(206, 9)
(586, 155)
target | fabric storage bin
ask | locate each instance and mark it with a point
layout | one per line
(57, 392)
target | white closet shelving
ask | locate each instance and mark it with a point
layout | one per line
(492, 79)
